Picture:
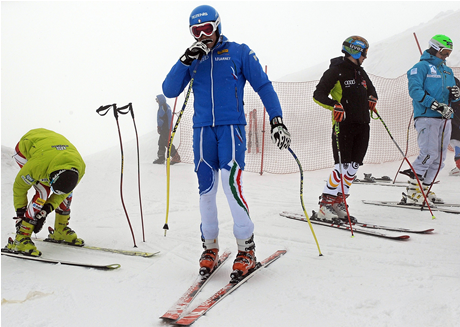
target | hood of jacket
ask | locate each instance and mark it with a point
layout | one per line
(161, 99)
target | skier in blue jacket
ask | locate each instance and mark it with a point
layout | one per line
(432, 89)
(220, 69)
(164, 117)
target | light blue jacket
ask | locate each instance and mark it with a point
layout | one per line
(428, 81)
(218, 86)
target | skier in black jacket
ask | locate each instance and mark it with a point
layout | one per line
(346, 90)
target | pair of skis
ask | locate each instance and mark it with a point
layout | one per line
(443, 207)
(6, 252)
(176, 314)
(363, 228)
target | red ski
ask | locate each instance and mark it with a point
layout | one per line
(226, 290)
(178, 308)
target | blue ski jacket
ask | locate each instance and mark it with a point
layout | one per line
(164, 113)
(218, 84)
(428, 81)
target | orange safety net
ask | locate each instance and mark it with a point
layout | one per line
(311, 128)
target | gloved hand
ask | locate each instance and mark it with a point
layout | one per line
(372, 103)
(21, 212)
(442, 108)
(280, 134)
(339, 113)
(158, 129)
(454, 92)
(196, 51)
(40, 217)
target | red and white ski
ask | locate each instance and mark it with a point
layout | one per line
(178, 308)
(225, 291)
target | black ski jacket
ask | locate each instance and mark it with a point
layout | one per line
(349, 85)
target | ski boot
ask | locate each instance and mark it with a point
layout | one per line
(62, 233)
(159, 161)
(22, 243)
(340, 209)
(415, 196)
(209, 257)
(326, 211)
(175, 159)
(245, 259)
(455, 172)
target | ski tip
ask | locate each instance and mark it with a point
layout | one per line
(113, 266)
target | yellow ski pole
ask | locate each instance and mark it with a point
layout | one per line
(168, 159)
(301, 199)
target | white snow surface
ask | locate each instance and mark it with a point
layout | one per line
(359, 281)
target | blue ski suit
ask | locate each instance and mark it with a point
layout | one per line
(219, 138)
(429, 80)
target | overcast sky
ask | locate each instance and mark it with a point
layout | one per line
(62, 60)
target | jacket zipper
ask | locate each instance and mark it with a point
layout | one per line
(212, 89)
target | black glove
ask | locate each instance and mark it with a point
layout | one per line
(442, 108)
(196, 51)
(454, 92)
(40, 217)
(21, 212)
(280, 134)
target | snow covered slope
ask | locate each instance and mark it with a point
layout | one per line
(360, 281)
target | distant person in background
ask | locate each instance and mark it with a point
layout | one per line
(53, 167)
(455, 137)
(219, 137)
(352, 96)
(164, 118)
(432, 89)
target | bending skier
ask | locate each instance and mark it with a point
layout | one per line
(53, 167)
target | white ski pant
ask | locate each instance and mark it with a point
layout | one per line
(430, 136)
(243, 227)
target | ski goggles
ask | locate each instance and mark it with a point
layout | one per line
(355, 48)
(207, 29)
(445, 52)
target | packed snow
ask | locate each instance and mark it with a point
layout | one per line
(359, 281)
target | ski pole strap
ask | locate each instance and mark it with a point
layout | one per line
(103, 110)
(126, 109)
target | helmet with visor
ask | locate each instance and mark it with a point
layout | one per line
(355, 46)
(204, 20)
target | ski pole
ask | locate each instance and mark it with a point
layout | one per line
(130, 109)
(407, 160)
(410, 120)
(102, 111)
(301, 199)
(173, 133)
(336, 134)
(407, 147)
